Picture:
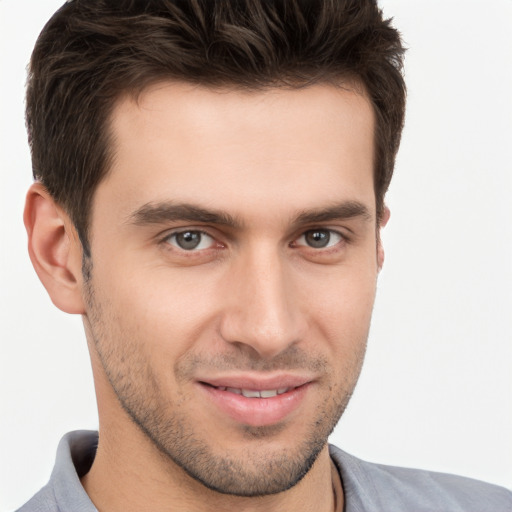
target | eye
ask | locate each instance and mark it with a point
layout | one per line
(319, 238)
(190, 240)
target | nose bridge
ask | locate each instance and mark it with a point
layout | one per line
(262, 310)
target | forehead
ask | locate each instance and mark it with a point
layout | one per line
(221, 146)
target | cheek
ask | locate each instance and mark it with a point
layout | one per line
(164, 312)
(168, 311)
(341, 302)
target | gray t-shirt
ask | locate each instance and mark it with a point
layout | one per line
(367, 487)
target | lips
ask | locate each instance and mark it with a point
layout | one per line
(256, 401)
(255, 393)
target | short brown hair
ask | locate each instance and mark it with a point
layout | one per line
(93, 51)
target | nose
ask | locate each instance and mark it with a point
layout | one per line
(262, 310)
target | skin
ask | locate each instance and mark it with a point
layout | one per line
(258, 299)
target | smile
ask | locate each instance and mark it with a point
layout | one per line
(238, 400)
(255, 393)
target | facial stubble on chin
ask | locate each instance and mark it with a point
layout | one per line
(256, 471)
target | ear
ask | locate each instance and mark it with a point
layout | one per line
(380, 249)
(54, 249)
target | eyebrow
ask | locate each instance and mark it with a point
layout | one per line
(341, 211)
(160, 213)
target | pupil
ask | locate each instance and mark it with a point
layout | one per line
(317, 239)
(188, 240)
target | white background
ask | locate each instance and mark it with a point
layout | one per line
(436, 391)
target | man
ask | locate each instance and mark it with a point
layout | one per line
(210, 190)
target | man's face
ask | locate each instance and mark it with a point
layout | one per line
(234, 263)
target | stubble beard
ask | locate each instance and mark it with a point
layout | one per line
(257, 471)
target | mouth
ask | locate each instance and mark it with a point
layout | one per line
(254, 393)
(247, 402)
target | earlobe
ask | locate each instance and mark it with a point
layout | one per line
(380, 249)
(54, 249)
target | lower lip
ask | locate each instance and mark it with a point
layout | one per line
(256, 412)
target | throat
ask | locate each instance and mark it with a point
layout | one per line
(337, 488)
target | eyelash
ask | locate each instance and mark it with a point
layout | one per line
(175, 234)
(341, 238)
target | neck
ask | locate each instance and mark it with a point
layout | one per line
(130, 474)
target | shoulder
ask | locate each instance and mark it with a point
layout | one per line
(64, 492)
(372, 487)
(43, 501)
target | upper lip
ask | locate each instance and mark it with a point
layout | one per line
(257, 382)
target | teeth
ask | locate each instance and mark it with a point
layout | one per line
(251, 393)
(254, 393)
